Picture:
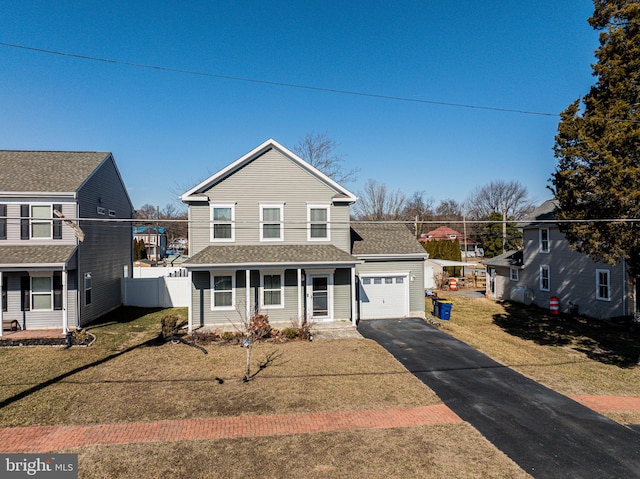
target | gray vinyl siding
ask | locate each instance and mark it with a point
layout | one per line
(572, 277)
(13, 222)
(271, 178)
(342, 294)
(226, 319)
(107, 248)
(415, 268)
(38, 319)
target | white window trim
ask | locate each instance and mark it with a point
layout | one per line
(35, 274)
(212, 275)
(262, 290)
(90, 288)
(514, 274)
(33, 220)
(545, 267)
(541, 247)
(608, 272)
(279, 206)
(212, 207)
(328, 221)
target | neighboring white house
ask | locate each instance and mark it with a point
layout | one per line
(548, 267)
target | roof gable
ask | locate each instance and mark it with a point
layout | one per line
(196, 193)
(47, 171)
(543, 215)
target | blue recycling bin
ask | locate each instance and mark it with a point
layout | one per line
(444, 310)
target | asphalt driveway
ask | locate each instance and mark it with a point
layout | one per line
(545, 433)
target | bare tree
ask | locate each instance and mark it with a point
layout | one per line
(448, 210)
(418, 209)
(376, 203)
(499, 194)
(320, 151)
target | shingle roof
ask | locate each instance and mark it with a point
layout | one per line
(383, 239)
(510, 258)
(257, 255)
(546, 211)
(46, 171)
(35, 255)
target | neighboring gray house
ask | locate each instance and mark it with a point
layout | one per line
(56, 271)
(549, 267)
(271, 233)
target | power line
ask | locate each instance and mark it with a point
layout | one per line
(282, 84)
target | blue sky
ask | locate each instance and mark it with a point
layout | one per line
(169, 130)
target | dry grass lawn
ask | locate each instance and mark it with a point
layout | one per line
(128, 375)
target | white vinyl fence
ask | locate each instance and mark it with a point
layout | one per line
(160, 292)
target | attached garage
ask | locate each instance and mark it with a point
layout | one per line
(384, 295)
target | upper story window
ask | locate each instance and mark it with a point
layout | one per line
(545, 280)
(41, 221)
(603, 284)
(37, 221)
(88, 287)
(544, 240)
(223, 222)
(271, 222)
(318, 218)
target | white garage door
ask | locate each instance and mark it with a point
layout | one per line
(384, 296)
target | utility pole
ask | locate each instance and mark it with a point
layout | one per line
(504, 226)
(157, 233)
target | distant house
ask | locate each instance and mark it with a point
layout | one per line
(548, 267)
(60, 264)
(155, 241)
(271, 233)
(473, 248)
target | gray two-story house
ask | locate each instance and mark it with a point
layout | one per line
(270, 233)
(65, 243)
(547, 267)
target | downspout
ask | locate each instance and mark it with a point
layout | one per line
(624, 285)
(353, 296)
(190, 310)
(65, 310)
(299, 296)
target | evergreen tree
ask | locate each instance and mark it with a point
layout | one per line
(492, 236)
(598, 144)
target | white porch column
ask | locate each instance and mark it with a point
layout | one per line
(247, 283)
(65, 310)
(190, 310)
(300, 296)
(353, 296)
(1, 318)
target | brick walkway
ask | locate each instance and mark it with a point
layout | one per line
(38, 439)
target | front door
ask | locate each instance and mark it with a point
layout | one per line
(319, 297)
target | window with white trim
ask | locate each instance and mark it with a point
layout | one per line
(272, 290)
(223, 222)
(513, 274)
(544, 240)
(41, 221)
(223, 291)
(271, 222)
(318, 218)
(545, 279)
(87, 289)
(603, 284)
(42, 293)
